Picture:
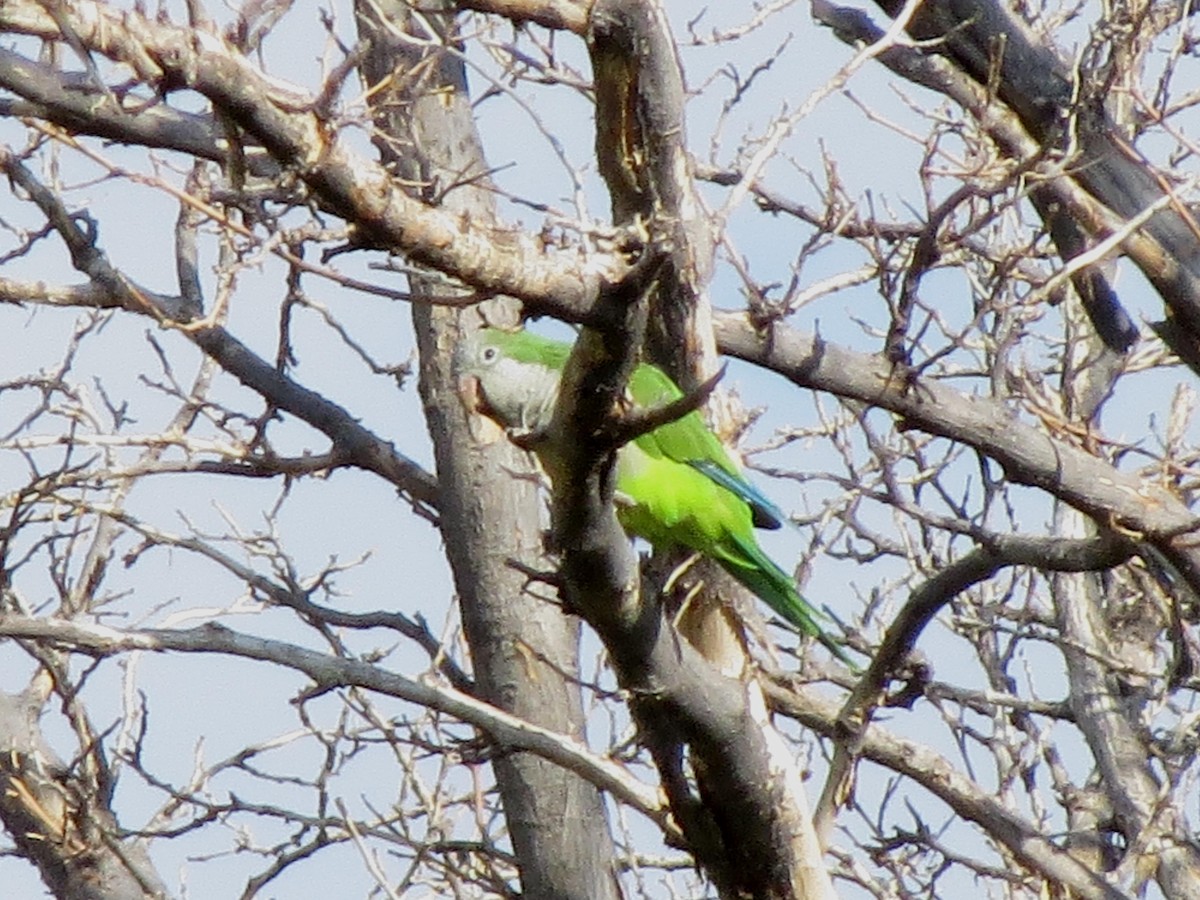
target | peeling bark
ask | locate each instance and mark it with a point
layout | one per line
(525, 651)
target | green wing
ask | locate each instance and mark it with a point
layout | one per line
(671, 503)
(684, 489)
(689, 440)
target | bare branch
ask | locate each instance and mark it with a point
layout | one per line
(328, 672)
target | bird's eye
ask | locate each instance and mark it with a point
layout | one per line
(489, 354)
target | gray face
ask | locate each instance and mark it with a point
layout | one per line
(515, 394)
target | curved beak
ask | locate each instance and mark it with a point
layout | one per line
(470, 394)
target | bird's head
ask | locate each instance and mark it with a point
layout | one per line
(508, 376)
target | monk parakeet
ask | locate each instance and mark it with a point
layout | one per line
(675, 486)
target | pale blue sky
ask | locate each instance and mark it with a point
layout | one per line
(351, 514)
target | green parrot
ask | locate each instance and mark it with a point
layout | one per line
(676, 485)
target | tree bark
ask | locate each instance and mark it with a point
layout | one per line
(756, 840)
(524, 649)
(1109, 707)
(59, 816)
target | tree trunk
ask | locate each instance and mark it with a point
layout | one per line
(524, 649)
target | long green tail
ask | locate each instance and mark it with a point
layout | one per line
(759, 573)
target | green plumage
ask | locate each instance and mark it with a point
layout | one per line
(676, 485)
